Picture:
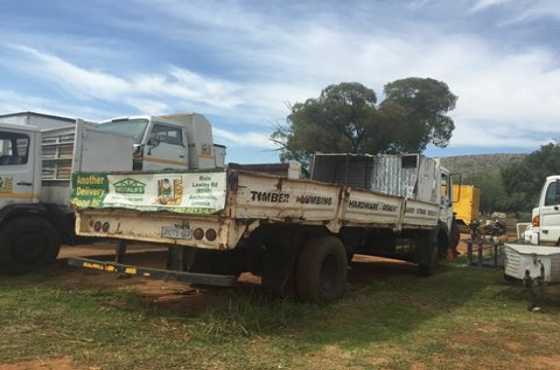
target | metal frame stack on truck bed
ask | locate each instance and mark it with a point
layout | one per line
(297, 234)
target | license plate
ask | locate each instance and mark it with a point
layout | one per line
(173, 232)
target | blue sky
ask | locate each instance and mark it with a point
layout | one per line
(243, 63)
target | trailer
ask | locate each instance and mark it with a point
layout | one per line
(298, 235)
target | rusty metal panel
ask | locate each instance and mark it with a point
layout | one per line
(348, 169)
(410, 176)
(275, 198)
(389, 176)
(150, 226)
(366, 208)
(420, 214)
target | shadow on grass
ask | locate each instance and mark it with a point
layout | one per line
(386, 300)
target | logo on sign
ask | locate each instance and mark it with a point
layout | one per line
(6, 184)
(170, 190)
(129, 186)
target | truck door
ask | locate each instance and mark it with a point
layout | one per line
(550, 214)
(165, 148)
(17, 166)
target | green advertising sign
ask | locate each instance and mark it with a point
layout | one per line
(192, 193)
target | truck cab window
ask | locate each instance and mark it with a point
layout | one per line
(552, 196)
(14, 148)
(167, 134)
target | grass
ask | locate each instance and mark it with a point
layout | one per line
(459, 318)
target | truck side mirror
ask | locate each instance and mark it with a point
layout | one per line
(153, 141)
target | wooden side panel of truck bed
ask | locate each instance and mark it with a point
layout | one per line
(253, 198)
(280, 199)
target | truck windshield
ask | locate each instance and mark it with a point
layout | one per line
(130, 127)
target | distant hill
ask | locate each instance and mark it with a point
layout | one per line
(471, 166)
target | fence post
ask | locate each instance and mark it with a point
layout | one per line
(495, 244)
(469, 251)
(480, 246)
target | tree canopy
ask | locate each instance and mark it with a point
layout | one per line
(347, 118)
(523, 180)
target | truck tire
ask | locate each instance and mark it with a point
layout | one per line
(428, 253)
(26, 243)
(321, 270)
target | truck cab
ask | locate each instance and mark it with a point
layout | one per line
(19, 150)
(178, 141)
(545, 218)
(28, 238)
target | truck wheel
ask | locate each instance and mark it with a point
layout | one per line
(27, 242)
(321, 270)
(428, 253)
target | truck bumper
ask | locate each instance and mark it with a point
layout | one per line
(208, 232)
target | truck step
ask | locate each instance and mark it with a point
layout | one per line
(154, 273)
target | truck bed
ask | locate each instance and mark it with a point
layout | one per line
(78, 147)
(171, 207)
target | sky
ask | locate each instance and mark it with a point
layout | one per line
(244, 63)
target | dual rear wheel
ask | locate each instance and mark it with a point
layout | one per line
(322, 266)
(27, 243)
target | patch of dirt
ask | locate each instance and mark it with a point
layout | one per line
(364, 269)
(46, 364)
(513, 346)
(545, 362)
(330, 357)
(418, 366)
(180, 296)
(104, 248)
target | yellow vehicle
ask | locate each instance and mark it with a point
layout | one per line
(466, 206)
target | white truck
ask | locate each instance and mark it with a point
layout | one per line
(537, 250)
(35, 172)
(176, 141)
(298, 235)
(36, 167)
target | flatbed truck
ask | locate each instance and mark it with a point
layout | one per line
(298, 235)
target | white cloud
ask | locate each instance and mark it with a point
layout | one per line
(534, 10)
(484, 4)
(148, 106)
(11, 101)
(506, 96)
(78, 80)
(250, 139)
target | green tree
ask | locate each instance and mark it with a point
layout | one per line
(523, 180)
(493, 196)
(423, 106)
(347, 118)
